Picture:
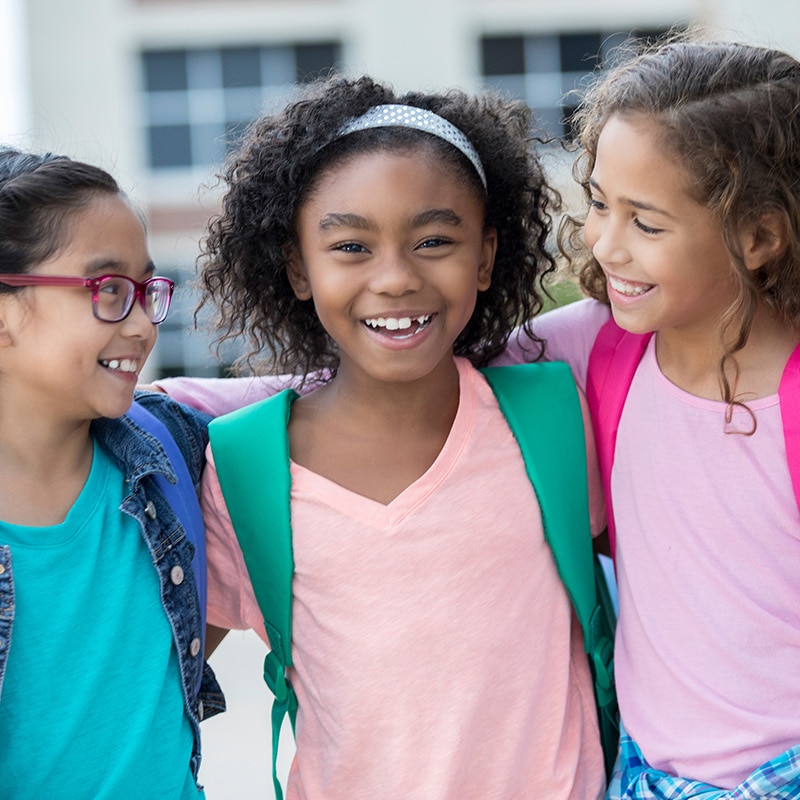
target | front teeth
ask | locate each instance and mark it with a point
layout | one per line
(629, 289)
(397, 323)
(122, 364)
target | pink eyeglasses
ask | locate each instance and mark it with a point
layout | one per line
(113, 296)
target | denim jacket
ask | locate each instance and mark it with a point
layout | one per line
(139, 455)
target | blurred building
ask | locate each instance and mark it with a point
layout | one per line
(155, 90)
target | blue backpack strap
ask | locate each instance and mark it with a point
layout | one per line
(541, 404)
(251, 455)
(182, 497)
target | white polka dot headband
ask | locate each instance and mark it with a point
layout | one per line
(388, 116)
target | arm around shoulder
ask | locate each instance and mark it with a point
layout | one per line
(218, 396)
(569, 333)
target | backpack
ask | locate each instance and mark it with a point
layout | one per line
(182, 497)
(613, 361)
(251, 453)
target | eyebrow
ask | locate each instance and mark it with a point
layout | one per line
(110, 266)
(635, 203)
(330, 221)
(445, 216)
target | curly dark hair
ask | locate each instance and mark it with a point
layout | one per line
(245, 253)
(730, 115)
(38, 194)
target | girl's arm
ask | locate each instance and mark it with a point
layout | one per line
(217, 396)
(569, 333)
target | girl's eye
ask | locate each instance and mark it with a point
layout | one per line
(433, 241)
(111, 287)
(596, 204)
(646, 228)
(350, 247)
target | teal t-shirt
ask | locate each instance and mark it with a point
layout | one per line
(92, 705)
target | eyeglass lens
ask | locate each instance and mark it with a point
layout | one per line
(115, 296)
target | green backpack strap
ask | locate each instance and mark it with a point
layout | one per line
(541, 404)
(251, 454)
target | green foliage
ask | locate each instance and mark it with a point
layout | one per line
(563, 291)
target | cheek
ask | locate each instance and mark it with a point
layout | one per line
(152, 341)
(591, 231)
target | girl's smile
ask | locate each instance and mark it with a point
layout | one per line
(628, 288)
(398, 331)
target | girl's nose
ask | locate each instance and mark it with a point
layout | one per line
(606, 241)
(137, 324)
(395, 275)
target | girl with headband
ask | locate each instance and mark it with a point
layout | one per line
(393, 244)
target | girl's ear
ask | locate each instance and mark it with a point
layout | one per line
(765, 240)
(6, 337)
(488, 253)
(296, 272)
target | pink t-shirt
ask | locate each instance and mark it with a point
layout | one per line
(708, 564)
(436, 653)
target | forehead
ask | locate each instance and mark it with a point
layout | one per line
(633, 156)
(104, 231)
(402, 141)
(391, 182)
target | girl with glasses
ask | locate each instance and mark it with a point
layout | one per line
(100, 621)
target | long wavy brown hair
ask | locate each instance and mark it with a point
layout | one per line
(730, 115)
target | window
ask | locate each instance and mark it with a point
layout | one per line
(198, 101)
(181, 349)
(545, 69)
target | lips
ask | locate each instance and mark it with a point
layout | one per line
(628, 288)
(121, 364)
(398, 323)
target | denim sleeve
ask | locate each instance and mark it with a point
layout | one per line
(188, 427)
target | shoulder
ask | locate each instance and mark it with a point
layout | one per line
(187, 426)
(569, 333)
(179, 418)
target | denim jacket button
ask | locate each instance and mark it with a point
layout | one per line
(150, 509)
(176, 575)
(194, 647)
(2, 568)
(200, 710)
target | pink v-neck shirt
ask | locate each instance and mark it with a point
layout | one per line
(435, 650)
(708, 564)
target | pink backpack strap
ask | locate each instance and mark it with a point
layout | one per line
(789, 397)
(612, 363)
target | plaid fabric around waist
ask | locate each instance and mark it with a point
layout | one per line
(635, 779)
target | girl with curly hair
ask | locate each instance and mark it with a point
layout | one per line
(691, 169)
(392, 244)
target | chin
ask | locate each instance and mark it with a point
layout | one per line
(633, 323)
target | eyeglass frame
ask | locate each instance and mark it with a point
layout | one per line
(139, 289)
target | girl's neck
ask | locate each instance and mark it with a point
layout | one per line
(43, 468)
(692, 362)
(421, 401)
(371, 438)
